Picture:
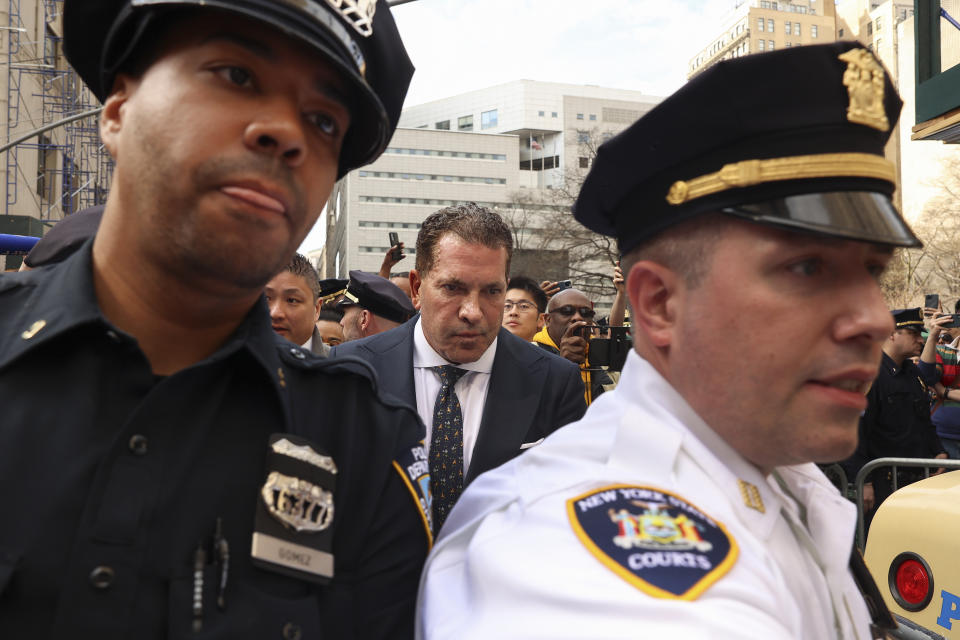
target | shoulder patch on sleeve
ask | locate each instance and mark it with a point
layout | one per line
(414, 468)
(653, 539)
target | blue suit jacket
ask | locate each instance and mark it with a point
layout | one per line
(532, 392)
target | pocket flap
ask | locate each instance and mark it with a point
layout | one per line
(8, 564)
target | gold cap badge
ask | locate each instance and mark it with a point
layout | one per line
(864, 80)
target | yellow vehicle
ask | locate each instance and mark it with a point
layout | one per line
(912, 552)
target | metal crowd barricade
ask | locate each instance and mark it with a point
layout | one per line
(925, 463)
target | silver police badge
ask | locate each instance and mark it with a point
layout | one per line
(296, 503)
(293, 528)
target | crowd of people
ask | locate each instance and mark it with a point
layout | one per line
(202, 439)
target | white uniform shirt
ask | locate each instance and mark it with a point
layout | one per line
(509, 563)
(471, 389)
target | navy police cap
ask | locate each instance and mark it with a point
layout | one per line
(792, 138)
(358, 37)
(332, 287)
(378, 295)
(908, 318)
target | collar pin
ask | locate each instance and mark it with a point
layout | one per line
(34, 329)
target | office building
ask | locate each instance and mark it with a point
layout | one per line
(519, 141)
(756, 26)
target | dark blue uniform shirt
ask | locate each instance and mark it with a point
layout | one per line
(111, 477)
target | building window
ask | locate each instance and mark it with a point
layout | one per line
(584, 162)
(593, 117)
(840, 33)
(583, 137)
(796, 29)
(488, 119)
(540, 113)
(876, 44)
(761, 44)
(877, 27)
(390, 175)
(553, 114)
(465, 123)
(761, 24)
(771, 47)
(770, 25)
(787, 28)
(869, 28)
(476, 155)
(445, 125)
(579, 116)
(813, 31)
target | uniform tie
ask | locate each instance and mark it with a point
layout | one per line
(446, 445)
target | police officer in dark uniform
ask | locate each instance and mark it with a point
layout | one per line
(897, 420)
(372, 304)
(169, 466)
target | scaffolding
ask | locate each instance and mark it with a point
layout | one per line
(66, 169)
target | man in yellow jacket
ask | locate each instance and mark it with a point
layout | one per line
(568, 326)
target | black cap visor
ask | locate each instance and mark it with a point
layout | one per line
(865, 216)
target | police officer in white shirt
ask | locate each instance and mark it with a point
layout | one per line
(686, 504)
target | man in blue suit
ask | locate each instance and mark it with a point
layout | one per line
(484, 394)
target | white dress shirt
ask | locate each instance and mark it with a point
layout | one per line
(509, 562)
(471, 389)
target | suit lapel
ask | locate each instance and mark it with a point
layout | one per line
(512, 400)
(393, 354)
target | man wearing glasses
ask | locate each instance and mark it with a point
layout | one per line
(524, 307)
(568, 325)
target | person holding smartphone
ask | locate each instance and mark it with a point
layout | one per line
(568, 327)
(941, 361)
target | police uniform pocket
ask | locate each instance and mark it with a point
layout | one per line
(8, 564)
(248, 612)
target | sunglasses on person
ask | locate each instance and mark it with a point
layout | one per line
(568, 310)
(521, 305)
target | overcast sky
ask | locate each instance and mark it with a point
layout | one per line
(461, 45)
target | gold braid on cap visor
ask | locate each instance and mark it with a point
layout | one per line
(751, 172)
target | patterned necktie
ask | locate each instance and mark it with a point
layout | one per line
(446, 445)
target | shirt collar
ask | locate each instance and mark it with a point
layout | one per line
(744, 486)
(424, 356)
(892, 365)
(62, 299)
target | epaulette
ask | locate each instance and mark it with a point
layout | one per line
(14, 280)
(300, 358)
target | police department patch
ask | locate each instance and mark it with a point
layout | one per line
(413, 466)
(653, 539)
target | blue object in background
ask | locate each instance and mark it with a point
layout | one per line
(16, 245)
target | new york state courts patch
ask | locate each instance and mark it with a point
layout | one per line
(653, 539)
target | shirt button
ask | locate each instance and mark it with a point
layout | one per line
(291, 631)
(113, 335)
(138, 444)
(101, 577)
(297, 353)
